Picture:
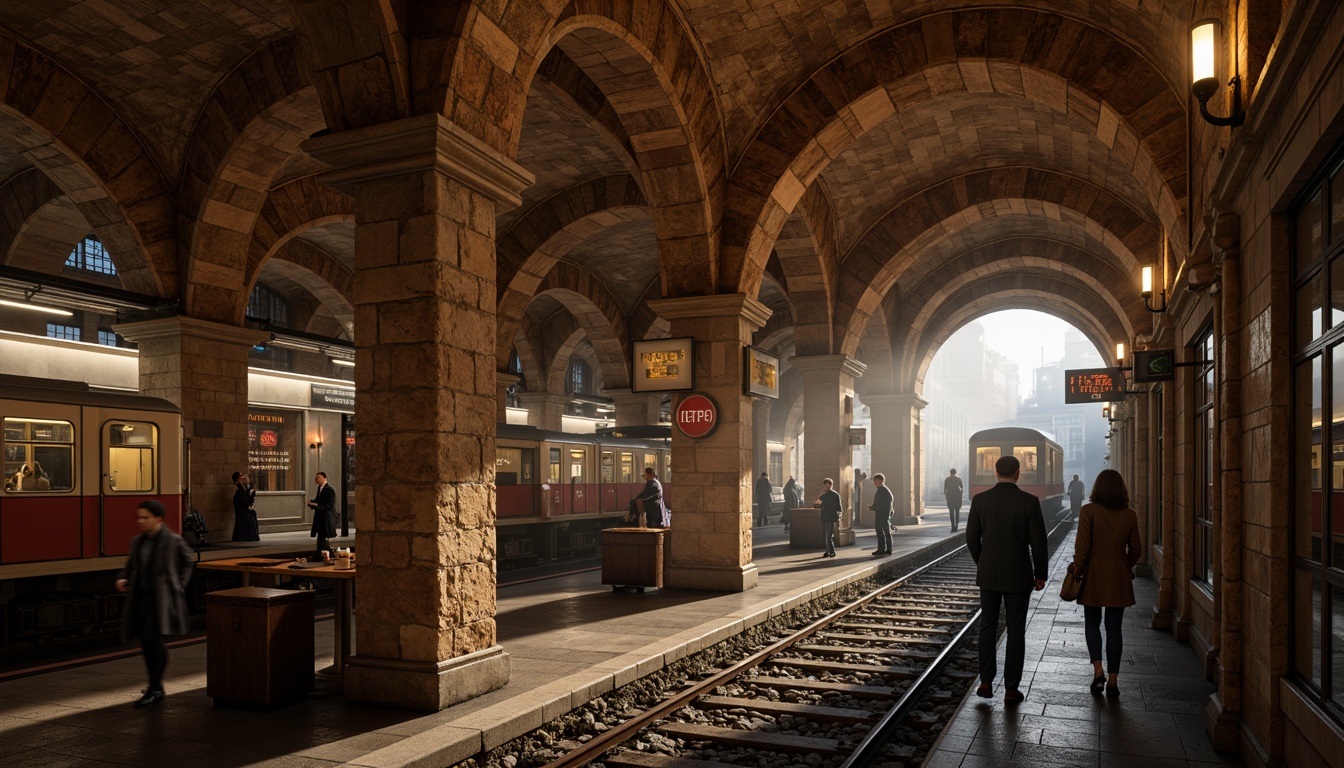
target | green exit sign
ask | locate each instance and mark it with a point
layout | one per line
(1154, 365)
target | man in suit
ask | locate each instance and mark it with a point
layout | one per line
(1005, 533)
(324, 514)
(655, 511)
(883, 501)
(764, 493)
(829, 504)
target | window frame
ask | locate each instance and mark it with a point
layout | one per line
(1204, 432)
(30, 454)
(105, 456)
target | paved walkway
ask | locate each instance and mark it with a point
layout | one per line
(1157, 722)
(569, 638)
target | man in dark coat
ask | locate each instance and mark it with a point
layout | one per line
(952, 491)
(655, 512)
(1005, 533)
(155, 581)
(829, 504)
(764, 493)
(793, 498)
(881, 507)
(1076, 493)
(244, 515)
(324, 514)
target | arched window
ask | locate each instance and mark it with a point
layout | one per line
(580, 377)
(266, 304)
(90, 256)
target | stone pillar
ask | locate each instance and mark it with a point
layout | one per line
(502, 383)
(202, 367)
(897, 426)
(711, 524)
(828, 413)
(545, 410)
(425, 198)
(634, 409)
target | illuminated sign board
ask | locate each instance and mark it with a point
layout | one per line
(1154, 365)
(662, 365)
(335, 398)
(1094, 385)
(762, 374)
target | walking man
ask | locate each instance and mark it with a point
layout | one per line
(881, 507)
(155, 581)
(952, 491)
(1005, 533)
(1076, 493)
(764, 493)
(829, 504)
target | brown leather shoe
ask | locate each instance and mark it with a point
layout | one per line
(1013, 696)
(984, 691)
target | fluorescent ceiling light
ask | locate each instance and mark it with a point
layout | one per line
(338, 361)
(36, 308)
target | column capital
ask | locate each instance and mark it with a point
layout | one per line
(717, 305)
(415, 144)
(179, 326)
(506, 379)
(894, 398)
(838, 363)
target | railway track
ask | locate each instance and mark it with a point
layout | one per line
(830, 693)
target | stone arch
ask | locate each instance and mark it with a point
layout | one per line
(23, 196)
(69, 132)
(290, 210)
(329, 282)
(595, 310)
(363, 54)
(48, 236)
(1031, 55)
(527, 344)
(807, 252)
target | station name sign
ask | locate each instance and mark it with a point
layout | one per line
(662, 365)
(335, 398)
(1094, 385)
(696, 415)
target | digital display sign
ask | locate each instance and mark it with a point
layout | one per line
(1094, 385)
(662, 365)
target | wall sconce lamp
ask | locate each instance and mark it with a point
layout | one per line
(316, 444)
(1120, 353)
(1106, 412)
(1204, 74)
(1146, 290)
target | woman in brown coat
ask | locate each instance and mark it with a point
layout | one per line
(1108, 542)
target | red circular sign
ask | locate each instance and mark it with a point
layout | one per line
(696, 416)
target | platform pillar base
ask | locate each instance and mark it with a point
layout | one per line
(727, 579)
(425, 685)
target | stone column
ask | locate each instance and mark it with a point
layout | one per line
(897, 424)
(502, 383)
(545, 410)
(634, 409)
(202, 367)
(828, 413)
(711, 524)
(425, 199)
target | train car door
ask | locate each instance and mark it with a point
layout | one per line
(608, 482)
(581, 493)
(40, 507)
(130, 449)
(557, 495)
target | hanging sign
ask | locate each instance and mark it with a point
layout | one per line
(696, 416)
(1094, 385)
(762, 374)
(662, 365)
(1154, 365)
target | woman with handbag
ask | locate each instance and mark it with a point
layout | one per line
(1105, 551)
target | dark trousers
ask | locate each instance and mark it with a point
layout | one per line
(323, 543)
(883, 524)
(763, 513)
(828, 536)
(151, 640)
(1015, 654)
(954, 511)
(1074, 507)
(1115, 643)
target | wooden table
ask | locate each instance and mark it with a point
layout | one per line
(342, 580)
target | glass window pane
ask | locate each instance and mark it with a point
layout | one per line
(984, 464)
(273, 449)
(1026, 454)
(608, 467)
(508, 464)
(1307, 458)
(1337, 205)
(1336, 292)
(1307, 627)
(1337, 645)
(39, 455)
(1308, 234)
(1308, 319)
(131, 447)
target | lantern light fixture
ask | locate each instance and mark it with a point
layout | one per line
(1204, 74)
(1120, 353)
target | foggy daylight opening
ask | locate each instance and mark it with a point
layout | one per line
(1007, 369)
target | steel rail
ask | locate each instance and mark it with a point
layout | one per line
(601, 744)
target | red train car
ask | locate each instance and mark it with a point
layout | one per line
(77, 461)
(1041, 457)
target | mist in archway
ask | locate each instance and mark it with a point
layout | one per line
(1008, 368)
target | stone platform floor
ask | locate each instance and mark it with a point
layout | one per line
(1157, 722)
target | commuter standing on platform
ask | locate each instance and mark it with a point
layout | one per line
(829, 504)
(952, 490)
(1108, 543)
(324, 514)
(1005, 533)
(155, 581)
(1076, 493)
(792, 499)
(881, 507)
(245, 526)
(655, 512)
(764, 493)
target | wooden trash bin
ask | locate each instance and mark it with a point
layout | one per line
(632, 557)
(259, 646)
(805, 528)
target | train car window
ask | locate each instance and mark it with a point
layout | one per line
(650, 460)
(132, 448)
(529, 472)
(508, 466)
(1027, 455)
(628, 467)
(578, 469)
(39, 455)
(667, 466)
(554, 474)
(608, 467)
(985, 457)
